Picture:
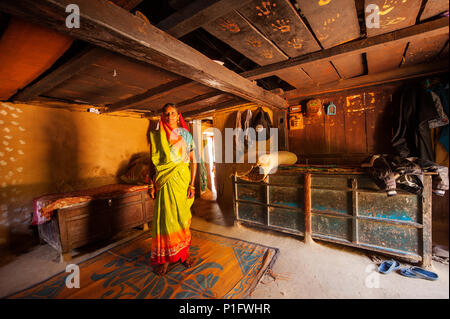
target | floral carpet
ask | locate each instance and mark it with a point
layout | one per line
(223, 268)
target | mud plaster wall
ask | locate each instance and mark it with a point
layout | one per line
(47, 150)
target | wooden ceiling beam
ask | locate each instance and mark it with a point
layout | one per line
(106, 25)
(427, 29)
(149, 95)
(201, 98)
(127, 4)
(232, 102)
(196, 14)
(178, 24)
(399, 74)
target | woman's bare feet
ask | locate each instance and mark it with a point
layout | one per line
(162, 269)
(188, 262)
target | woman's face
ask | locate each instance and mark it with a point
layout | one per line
(171, 116)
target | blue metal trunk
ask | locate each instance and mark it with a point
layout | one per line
(347, 209)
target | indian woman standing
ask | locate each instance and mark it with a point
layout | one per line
(172, 188)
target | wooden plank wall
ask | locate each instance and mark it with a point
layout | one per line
(362, 126)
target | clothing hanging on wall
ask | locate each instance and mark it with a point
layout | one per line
(443, 119)
(441, 89)
(416, 108)
(239, 133)
(246, 125)
(261, 123)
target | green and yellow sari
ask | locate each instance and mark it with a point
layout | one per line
(171, 236)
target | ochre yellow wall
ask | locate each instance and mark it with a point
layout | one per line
(47, 150)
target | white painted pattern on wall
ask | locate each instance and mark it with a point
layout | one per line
(10, 173)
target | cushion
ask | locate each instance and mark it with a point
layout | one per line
(138, 171)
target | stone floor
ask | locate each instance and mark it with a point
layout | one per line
(315, 271)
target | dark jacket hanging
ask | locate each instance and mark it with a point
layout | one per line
(410, 124)
(261, 123)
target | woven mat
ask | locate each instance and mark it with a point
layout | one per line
(223, 268)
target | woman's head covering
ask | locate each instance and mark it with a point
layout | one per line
(169, 131)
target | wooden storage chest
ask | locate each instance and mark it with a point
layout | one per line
(98, 219)
(347, 209)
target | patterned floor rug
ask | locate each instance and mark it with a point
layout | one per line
(223, 267)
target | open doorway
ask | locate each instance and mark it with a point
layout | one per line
(207, 170)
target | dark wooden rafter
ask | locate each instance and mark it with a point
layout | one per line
(396, 75)
(424, 50)
(238, 32)
(220, 106)
(176, 20)
(333, 23)
(280, 22)
(201, 98)
(178, 24)
(187, 19)
(328, 20)
(433, 8)
(276, 23)
(196, 14)
(70, 68)
(427, 29)
(151, 94)
(127, 4)
(291, 76)
(110, 27)
(209, 103)
(444, 51)
(395, 15)
(247, 37)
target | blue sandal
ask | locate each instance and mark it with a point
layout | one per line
(424, 274)
(407, 273)
(388, 266)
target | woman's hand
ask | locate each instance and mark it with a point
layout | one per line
(151, 192)
(191, 192)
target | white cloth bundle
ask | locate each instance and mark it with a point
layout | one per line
(270, 161)
(266, 163)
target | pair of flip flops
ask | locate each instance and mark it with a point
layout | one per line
(389, 266)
